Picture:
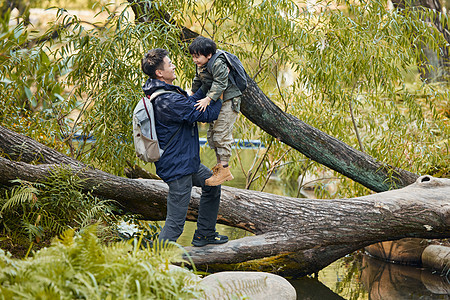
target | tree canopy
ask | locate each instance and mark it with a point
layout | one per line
(345, 68)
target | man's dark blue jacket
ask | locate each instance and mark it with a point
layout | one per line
(172, 111)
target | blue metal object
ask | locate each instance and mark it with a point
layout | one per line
(238, 143)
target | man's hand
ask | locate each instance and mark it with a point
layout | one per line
(203, 103)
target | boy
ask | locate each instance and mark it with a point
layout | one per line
(219, 88)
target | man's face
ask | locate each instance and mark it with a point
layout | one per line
(167, 73)
(200, 59)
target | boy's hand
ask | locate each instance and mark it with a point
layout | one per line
(202, 103)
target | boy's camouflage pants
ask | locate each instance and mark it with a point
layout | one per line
(220, 132)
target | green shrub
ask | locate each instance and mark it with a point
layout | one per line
(78, 266)
(31, 214)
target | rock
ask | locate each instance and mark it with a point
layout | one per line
(404, 251)
(437, 258)
(253, 285)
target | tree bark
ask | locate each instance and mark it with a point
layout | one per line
(316, 231)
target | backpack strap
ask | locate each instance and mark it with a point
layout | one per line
(213, 58)
(152, 97)
(160, 92)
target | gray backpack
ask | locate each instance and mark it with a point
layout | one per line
(144, 132)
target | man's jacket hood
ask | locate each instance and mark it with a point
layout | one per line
(151, 85)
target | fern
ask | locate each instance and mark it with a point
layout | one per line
(79, 266)
(18, 196)
(34, 212)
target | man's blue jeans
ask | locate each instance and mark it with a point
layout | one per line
(178, 202)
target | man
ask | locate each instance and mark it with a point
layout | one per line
(179, 166)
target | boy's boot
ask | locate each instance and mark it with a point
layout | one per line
(220, 175)
(214, 169)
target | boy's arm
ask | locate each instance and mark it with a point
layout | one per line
(220, 79)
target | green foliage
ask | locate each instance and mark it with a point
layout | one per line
(31, 92)
(350, 64)
(347, 68)
(78, 266)
(33, 213)
(356, 58)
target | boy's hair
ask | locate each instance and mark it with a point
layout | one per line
(153, 60)
(202, 46)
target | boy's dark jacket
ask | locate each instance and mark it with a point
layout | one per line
(173, 110)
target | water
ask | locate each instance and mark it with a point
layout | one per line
(359, 276)
(356, 276)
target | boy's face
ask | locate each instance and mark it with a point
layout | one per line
(200, 59)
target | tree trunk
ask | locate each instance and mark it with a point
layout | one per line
(316, 231)
(433, 65)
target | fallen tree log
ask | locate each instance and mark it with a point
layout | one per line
(317, 231)
(289, 225)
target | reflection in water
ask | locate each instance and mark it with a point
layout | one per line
(358, 276)
(392, 281)
(343, 277)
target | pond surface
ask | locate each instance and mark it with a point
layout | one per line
(359, 276)
(356, 276)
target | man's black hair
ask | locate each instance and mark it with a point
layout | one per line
(202, 46)
(152, 61)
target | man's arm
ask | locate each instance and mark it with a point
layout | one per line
(199, 94)
(190, 114)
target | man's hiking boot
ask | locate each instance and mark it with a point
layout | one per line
(220, 175)
(201, 240)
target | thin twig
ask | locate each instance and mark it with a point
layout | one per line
(259, 165)
(274, 166)
(354, 121)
